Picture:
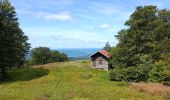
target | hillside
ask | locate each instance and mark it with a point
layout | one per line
(68, 81)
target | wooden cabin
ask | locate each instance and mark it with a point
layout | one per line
(100, 60)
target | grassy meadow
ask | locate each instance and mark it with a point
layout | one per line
(68, 81)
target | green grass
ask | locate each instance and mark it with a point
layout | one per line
(67, 81)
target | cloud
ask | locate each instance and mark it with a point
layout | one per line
(63, 16)
(54, 37)
(44, 10)
(48, 4)
(58, 41)
(62, 39)
(105, 26)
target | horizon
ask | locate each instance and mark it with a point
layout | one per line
(76, 24)
(77, 48)
(66, 48)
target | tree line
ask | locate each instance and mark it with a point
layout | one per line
(43, 55)
(143, 50)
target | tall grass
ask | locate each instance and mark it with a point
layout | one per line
(68, 81)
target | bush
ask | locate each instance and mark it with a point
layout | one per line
(26, 74)
(117, 74)
(160, 72)
(134, 74)
(130, 74)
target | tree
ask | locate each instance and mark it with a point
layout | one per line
(107, 47)
(43, 55)
(148, 34)
(144, 41)
(40, 55)
(56, 56)
(13, 42)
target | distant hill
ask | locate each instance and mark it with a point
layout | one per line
(75, 54)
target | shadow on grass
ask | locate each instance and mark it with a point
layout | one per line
(25, 74)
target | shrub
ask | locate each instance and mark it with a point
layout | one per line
(117, 74)
(26, 74)
(131, 74)
(134, 74)
(160, 72)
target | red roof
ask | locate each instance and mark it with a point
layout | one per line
(105, 53)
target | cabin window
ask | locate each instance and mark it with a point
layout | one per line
(100, 61)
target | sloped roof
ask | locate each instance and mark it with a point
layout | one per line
(104, 53)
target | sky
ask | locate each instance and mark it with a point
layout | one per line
(76, 23)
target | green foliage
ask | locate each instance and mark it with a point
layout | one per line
(58, 57)
(128, 74)
(160, 72)
(117, 74)
(26, 74)
(13, 41)
(43, 55)
(142, 44)
(114, 59)
(40, 55)
(145, 66)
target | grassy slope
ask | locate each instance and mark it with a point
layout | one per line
(69, 80)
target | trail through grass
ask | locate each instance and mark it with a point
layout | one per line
(67, 81)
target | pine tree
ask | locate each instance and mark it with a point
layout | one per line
(13, 42)
(107, 47)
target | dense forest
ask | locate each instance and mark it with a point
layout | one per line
(143, 51)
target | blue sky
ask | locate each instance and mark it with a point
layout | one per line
(76, 23)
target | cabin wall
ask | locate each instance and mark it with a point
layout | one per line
(99, 62)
